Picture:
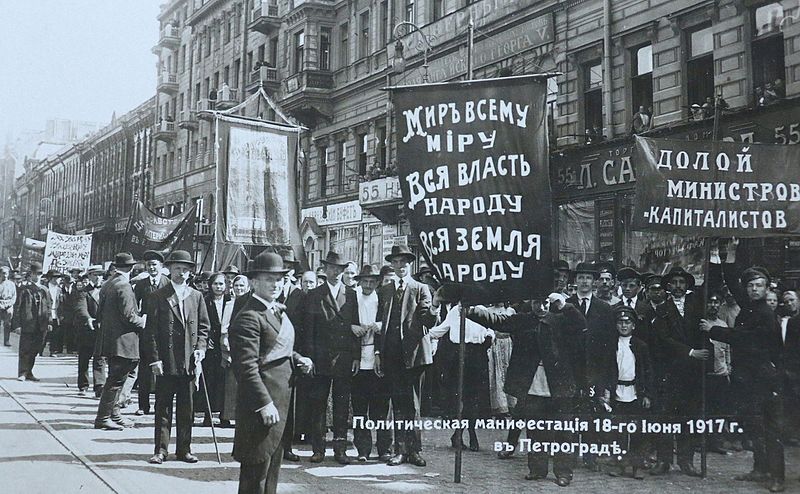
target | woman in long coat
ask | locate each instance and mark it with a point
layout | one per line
(220, 308)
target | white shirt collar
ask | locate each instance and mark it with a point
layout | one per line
(181, 290)
(126, 275)
(406, 281)
(334, 288)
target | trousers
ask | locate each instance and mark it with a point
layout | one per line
(370, 398)
(261, 478)
(118, 370)
(179, 388)
(319, 389)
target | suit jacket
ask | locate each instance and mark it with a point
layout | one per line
(85, 313)
(165, 319)
(142, 289)
(120, 322)
(327, 337)
(253, 334)
(416, 316)
(553, 339)
(789, 360)
(32, 308)
(601, 340)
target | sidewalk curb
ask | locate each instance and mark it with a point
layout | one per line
(111, 484)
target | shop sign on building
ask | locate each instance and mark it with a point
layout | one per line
(380, 191)
(334, 214)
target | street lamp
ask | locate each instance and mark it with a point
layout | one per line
(425, 43)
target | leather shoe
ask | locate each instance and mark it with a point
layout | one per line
(776, 486)
(638, 474)
(416, 460)
(688, 469)
(317, 457)
(123, 422)
(157, 459)
(384, 457)
(33, 378)
(139, 412)
(108, 425)
(20, 378)
(289, 455)
(505, 454)
(752, 477)
(341, 458)
(660, 468)
(535, 476)
(397, 459)
(225, 424)
(188, 458)
(563, 481)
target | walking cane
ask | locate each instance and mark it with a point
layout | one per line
(208, 407)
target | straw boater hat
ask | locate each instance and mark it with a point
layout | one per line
(266, 262)
(401, 251)
(179, 257)
(123, 259)
(335, 259)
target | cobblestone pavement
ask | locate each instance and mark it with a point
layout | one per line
(48, 444)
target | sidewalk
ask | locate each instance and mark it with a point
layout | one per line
(38, 462)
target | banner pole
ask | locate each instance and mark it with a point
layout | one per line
(217, 194)
(462, 329)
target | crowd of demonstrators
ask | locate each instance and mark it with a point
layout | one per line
(278, 347)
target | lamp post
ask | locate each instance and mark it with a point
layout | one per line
(425, 43)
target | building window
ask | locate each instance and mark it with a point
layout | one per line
(262, 52)
(409, 11)
(299, 51)
(768, 54)
(345, 241)
(237, 66)
(228, 29)
(363, 40)
(322, 179)
(577, 231)
(325, 48)
(642, 88)
(341, 166)
(384, 23)
(273, 51)
(344, 45)
(381, 140)
(593, 101)
(374, 254)
(362, 141)
(438, 9)
(183, 58)
(700, 71)
(226, 74)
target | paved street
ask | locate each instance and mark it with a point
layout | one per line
(47, 439)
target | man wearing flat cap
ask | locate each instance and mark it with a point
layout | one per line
(403, 348)
(262, 342)
(175, 337)
(32, 317)
(153, 261)
(118, 340)
(755, 347)
(331, 311)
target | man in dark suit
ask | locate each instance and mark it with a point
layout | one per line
(542, 372)
(32, 318)
(153, 261)
(789, 360)
(403, 348)
(755, 347)
(331, 310)
(120, 324)
(176, 334)
(262, 341)
(84, 317)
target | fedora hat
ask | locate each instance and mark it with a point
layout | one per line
(53, 274)
(266, 262)
(95, 269)
(335, 259)
(679, 271)
(123, 259)
(368, 271)
(153, 255)
(179, 257)
(401, 251)
(35, 267)
(231, 270)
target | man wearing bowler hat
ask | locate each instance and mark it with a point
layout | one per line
(32, 317)
(153, 260)
(331, 311)
(176, 335)
(120, 324)
(403, 349)
(262, 341)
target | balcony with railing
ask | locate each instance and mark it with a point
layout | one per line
(167, 82)
(170, 37)
(307, 95)
(265, 76)
(165, 131)
(265, 18)
(227, 98)
(187, 120)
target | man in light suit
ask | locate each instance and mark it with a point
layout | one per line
(120, 324)
(328, 339)
(142, 289)
(175, 344)
(262, 340)
(403, 348)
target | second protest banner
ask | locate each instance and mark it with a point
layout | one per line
(717, 188)
(473, 164)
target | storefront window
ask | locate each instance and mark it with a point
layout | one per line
(345, 242)
(576, 232)
(374, 244)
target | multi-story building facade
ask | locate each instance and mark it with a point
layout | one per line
(642, 66)
(90, 186)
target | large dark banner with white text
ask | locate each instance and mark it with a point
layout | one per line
(149, 231)
(717, 188)
(472, 159)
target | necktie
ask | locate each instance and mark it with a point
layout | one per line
(400, 288)
(630, 302)
(584, 305)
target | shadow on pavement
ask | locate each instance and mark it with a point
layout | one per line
(60, 458)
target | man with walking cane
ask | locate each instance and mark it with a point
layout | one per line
(176, 334)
